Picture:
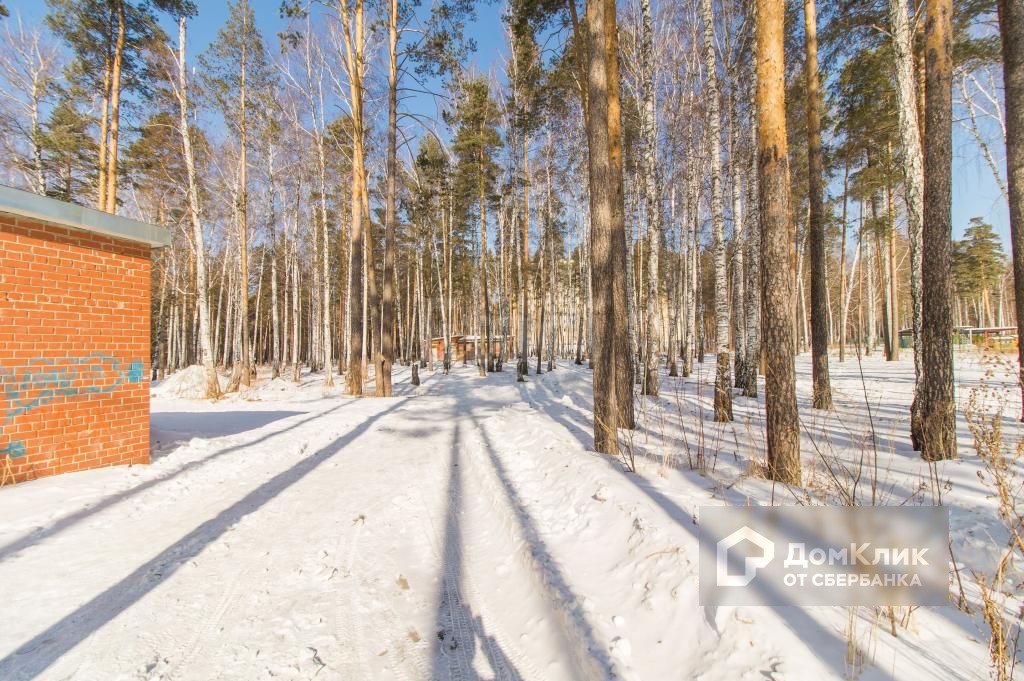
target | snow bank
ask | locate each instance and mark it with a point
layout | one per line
(187, 384)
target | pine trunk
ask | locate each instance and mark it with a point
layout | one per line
(783, 436)
(938, 415)
(822, 389)
(1011, 23)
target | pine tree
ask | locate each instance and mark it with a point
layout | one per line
(604, 240)
(476, 140)
(821, 387)
(68, 151)
(783, 434)
(938, 415)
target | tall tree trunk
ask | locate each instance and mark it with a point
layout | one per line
(753, 264)
(842, 265)
(488, 364)
(625, 360)
(783, 435)
(893, 286)
(1011, 24)
(551, 264)
(115, 109)
(524, 267)
(354, 60)
(240, 372)
(386, 357)
(104, 135)
(202, 289)
(739, 325)
(822, 389)
(908, 115)
(693, 258)
(938, 415)
(649, 128)
(723, 380)
(603, 238)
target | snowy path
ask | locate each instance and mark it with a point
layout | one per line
(461, 531)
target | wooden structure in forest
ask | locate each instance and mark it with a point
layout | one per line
(464, 348)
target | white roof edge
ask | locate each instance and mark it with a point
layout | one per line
(33, 206)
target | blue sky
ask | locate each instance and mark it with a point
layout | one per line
(974, 190)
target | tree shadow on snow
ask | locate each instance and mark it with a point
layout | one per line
(168, 428)
(36, 655)
(73, 519)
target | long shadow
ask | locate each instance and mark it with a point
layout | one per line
(799, 621)
(73, 519)
(38, 654)
(457, 627)
(592, 659)
(171, 427)
(557, 411)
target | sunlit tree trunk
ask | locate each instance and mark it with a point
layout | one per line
(652, 189)
(783, 436)
(603, 241)
(198, 242)
(753, 264)
(623, 354)
(723, 380)
(908, 115)
(110, 175)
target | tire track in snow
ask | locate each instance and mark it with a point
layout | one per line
(590, 656)
(460, 595)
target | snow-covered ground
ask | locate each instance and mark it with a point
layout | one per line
(464, 530)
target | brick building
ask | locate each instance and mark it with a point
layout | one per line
(74, 336)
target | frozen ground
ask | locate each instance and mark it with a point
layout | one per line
(461, 531)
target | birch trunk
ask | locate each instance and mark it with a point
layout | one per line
(198, 243)
(723, 381)
(908, 116)
(652, 188)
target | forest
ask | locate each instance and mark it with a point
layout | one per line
(549, 220)
(757, 190)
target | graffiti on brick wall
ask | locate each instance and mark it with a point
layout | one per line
(42, 380)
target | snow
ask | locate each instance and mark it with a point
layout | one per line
(189, 384)
(462, 530)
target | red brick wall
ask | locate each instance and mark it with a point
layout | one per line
(74, 349)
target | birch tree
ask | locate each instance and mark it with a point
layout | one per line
(198, 241)
(723, 374)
